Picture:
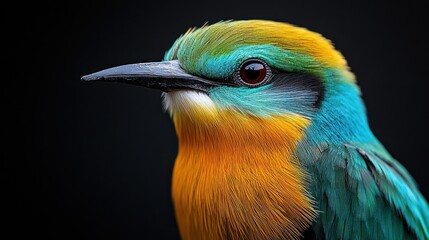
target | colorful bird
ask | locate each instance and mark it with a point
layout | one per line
(274, 139)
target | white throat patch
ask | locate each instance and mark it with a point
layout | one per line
(186, 101)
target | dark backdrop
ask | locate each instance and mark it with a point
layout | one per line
(94, 160)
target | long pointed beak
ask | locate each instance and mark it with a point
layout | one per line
(165, 76)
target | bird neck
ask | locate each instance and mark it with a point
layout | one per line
(342, 108)
(237, 176)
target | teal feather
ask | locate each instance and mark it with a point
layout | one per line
(224, 64)
(381, 204)
(221, 66)
(362, 192)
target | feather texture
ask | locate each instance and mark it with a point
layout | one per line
(216, 51)
(365, 194)
(236, 175)
(252, 160)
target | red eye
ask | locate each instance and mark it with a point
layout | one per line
(253, 72)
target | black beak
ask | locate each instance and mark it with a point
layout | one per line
(165, 76)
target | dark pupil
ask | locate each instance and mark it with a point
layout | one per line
(253, 72)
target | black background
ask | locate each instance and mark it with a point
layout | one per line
(94, 160)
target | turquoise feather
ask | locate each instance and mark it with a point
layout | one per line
(362, 192)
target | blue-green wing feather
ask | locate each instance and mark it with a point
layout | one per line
(363, 193)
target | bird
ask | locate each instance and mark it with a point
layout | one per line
(273, 138)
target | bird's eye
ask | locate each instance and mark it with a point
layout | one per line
(253, 72)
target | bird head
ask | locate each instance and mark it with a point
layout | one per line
(234, 71)
(248, 68)
(246, 94)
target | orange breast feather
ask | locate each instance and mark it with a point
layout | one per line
(237, 177)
